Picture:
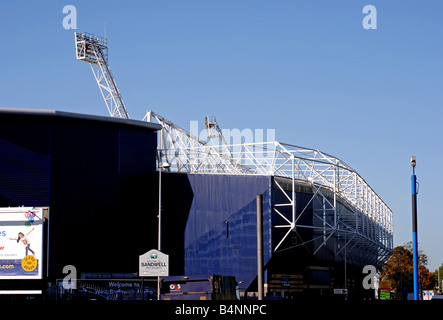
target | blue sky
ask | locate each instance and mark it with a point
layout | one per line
(307, 69)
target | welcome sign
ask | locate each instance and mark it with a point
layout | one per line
(153, 264)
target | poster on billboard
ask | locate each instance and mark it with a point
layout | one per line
(21, 243)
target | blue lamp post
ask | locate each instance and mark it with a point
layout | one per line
(414, 230)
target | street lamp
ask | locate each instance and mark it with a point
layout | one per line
(414, 229)
(161, 166)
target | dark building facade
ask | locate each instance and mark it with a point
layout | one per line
(92, 172)
(98, 177)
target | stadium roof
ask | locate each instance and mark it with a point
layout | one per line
(80, 116)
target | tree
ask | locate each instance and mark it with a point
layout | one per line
(399, 270)
(438, 276)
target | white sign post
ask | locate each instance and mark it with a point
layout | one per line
(153, 264)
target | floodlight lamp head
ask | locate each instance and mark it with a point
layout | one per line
(413, 161)
(164, 165)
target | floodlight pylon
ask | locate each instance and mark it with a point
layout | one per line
(94, 50)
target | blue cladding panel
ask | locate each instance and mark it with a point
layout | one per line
(24, 163)
(213, 247)
(137, 150)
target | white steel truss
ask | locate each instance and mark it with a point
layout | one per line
(346, 209)
(186, 153)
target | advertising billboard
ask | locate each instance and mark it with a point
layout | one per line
(21, 243)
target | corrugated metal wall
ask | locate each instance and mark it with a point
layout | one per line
(24, 163)
(220, 234)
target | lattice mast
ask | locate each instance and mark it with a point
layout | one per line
(94, 50)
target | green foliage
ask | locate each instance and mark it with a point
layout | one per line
(398, 270)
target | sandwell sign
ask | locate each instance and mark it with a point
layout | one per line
(153, 264)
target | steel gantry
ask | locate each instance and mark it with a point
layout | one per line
(344, 207)
(186, 153)
(345, 210)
